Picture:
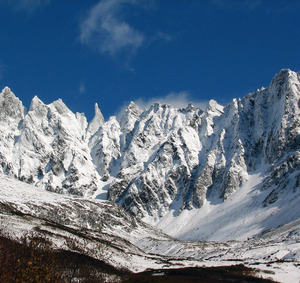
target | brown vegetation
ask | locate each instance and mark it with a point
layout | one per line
(32, 259)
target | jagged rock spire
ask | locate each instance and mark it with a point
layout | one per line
(96, 122)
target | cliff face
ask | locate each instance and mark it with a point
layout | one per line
(178, 158)
(160, 159)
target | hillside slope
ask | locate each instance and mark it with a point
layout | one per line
(103, 231)
(164, 164)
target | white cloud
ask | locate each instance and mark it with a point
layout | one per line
(283, 8)
(104, 28)
(269, 7)
(162, 36)
(26, 5)
(176, 99)
(82, 88)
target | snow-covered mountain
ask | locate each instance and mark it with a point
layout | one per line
(159, 159)
(181, 158)
(225, 173)
(96, 228)
(104, 231)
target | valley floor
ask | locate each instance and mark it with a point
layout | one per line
(104, 232)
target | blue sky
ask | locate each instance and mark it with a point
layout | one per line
(116, 51)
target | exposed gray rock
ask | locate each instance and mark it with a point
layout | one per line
(160, 158)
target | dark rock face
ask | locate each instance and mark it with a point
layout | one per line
(161, 158)
(198, 155)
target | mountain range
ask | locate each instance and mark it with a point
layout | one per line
(224, 173)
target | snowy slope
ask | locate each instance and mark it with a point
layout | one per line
(178, 159)
(230, 175)
(96, 228)
(221, 167)
(240, 217)
(104, 231)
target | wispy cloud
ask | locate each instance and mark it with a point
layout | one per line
(176, 99)
(82, 88)
(105, 29)
(28, 6)
(238, 4)
(283, 7)
(161, 36)
(269, 7)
